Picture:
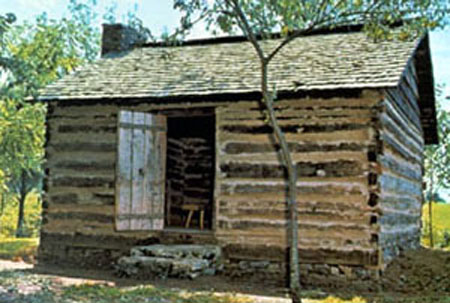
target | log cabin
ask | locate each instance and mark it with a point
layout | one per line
(156, 144)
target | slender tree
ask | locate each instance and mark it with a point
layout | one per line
(258, 20)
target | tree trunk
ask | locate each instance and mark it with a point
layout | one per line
(294, 270)
(22, 197)
(430, 212)
(3, 201)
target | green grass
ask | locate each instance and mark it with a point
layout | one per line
(441, 224)
(106, 294)
(14, 249)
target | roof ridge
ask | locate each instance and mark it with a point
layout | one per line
(347, 29)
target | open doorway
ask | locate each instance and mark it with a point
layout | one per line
(190, 171)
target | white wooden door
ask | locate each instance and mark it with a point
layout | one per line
(140, 171)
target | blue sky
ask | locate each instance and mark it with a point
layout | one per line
(158, 15)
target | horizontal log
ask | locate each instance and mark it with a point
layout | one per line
(85, 181)
(310, 121)
(84, 165)
(331, 227)
(399, 218)
(403, 122)
(310, 239)
(295, 128)
(86, 138)
(313, 214)
(348, 136)
(304, 169)
(400, 135)
(105, 198)
(81, 197)
(74, 226)
(80, 111)
(82, 216)
(83, 146)
(64, 198)
(83, 158)
(252, 148)
(122, 241)
(395, 184)
(350, 185)
(394, 97)
(67, 129)
(364, 101)
(297, 113)
(399, 202)
(312, 201)
(401, 167)
(392, 145)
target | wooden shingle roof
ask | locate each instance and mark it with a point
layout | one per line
(318, 62)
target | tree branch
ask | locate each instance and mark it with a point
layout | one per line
(324, 23)
(246, 27)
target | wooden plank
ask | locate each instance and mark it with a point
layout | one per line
(142, 154)
(159, 174)
(147, 154)
(124, 172)
(138, 164)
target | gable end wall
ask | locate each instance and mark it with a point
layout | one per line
(401, 164)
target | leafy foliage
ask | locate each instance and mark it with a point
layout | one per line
(32, 56)
(290, 17)
(437, 157)
(21, 137)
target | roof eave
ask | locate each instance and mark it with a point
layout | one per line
(426, 86)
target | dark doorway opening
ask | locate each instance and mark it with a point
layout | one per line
(190, 171)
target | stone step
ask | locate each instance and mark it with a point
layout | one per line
(208, 252)
(174, 261)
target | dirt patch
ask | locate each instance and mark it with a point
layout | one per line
(417, 276)
(423, 271)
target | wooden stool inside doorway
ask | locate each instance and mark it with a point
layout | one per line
(191, 208)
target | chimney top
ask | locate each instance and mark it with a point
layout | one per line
(119, 37)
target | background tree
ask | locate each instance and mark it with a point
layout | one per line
(258, 20)
(32, 56)
(437, 164)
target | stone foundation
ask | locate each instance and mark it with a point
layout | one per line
(314, 276)
(174, 261)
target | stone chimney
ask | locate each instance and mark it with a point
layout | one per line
(118, 38)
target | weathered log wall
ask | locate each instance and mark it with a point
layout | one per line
(333, 144)
(358, 161)
(401, 161)
(78, 216)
